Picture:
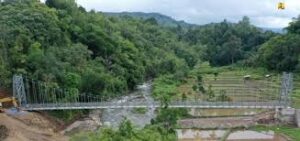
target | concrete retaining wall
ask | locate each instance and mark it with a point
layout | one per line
(219, 122)
(287, 115)
(298, 117)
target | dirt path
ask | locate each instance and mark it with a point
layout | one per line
(26, 126)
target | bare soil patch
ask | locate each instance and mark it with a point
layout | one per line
(28, 126)
(3, 132)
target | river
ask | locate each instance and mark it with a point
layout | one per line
(113, 117)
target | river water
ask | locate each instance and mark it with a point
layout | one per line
(113, 117)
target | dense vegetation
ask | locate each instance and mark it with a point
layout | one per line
(161, 129)
(282, 52)
(161, 19)
(291, 132)
(63, 44)
(226, 43)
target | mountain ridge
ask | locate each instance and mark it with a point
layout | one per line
(170, 21)
(160, 18)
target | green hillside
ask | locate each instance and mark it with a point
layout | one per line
(161, 19)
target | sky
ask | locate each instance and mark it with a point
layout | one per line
(262, 13)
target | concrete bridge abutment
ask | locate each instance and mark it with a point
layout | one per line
(289, 116)
(298, 117)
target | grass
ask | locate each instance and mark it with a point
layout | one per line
(291, 132)
(139, 110)
(225, 136)
(256, 73)
(296, 92)
(296, 99)
(164, 87)
(229, 81)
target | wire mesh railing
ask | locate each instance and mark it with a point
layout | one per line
(36, 95)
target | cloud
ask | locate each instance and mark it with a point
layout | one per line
(262, 13)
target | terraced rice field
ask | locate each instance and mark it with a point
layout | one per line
(296, 92)
(233, 85)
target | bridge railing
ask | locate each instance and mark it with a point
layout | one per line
(38, 95)
(173, 104)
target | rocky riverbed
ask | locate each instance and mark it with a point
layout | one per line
(113, 117)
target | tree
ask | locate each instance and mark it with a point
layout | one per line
(126, 129)
(226, 43)
(223, 96)
(232, 48)
(294, 26)
(69, 5)
(72, 80)
(210, 93)
(281, 53)
(168, 118)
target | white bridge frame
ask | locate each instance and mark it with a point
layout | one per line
(44, 98)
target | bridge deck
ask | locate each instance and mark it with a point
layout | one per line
(175, 104)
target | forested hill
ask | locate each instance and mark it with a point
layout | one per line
(276, 30)
(170, 22)
(64, 45)
(161, 19)
(87, 51)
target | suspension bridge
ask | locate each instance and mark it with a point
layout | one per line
(35, 95)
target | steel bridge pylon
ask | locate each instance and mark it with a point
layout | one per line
(19, 91)
(286, 88)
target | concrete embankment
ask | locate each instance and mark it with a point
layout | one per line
(298, 117)
(290, 116)
(217, 135)
(287, 115)
(221, 123)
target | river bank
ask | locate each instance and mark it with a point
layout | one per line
(113, 117)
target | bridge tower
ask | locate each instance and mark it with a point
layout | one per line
(286, 88)
(19, 90)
